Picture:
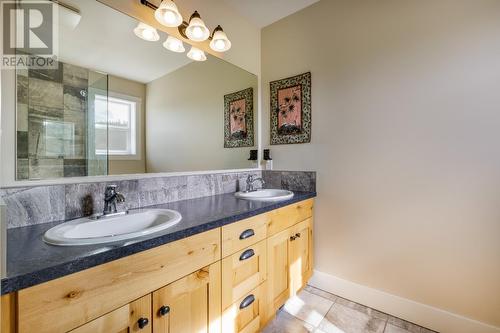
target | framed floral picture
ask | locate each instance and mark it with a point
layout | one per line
(238, 119)
(291, 110)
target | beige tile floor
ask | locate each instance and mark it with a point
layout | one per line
(315, 310)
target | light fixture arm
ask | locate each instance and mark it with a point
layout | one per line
(184, 24)
(218, 28)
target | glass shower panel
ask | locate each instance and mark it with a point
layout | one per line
(98, 125)
(55, 122)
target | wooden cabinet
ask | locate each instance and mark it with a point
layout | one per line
(131, 318)
(230, 279)
(191, 304)
(62, 304)
(289, 263)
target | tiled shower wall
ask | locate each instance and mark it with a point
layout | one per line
(52, 122)
(40, 204)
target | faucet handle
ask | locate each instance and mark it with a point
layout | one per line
(109, 192)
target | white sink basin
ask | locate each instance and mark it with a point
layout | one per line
(265, 195)
(89, 230)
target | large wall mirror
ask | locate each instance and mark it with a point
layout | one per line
(117, 104)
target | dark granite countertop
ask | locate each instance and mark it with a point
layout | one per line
(30, 261)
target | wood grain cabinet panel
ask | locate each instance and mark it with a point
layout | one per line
(288, 216)
(301, 255)
(278, 277)
(68, 302)
(247, 314)
(8, 308)
(289, 263)
(244, 233)
(134, 317)
(243, 272)
(191, 304)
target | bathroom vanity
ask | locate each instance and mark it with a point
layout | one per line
(224, 274)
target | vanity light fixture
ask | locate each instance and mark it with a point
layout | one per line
(146, 32)
(168, 14)
(195, 30)
(173, 44)
(196, 54)
(220, 42)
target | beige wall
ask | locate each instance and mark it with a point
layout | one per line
(135, 89)
(406, 143)
(185, 118)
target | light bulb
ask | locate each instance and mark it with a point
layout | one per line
(197, 30)
(220, 42)
(168, 14)
(196, 54)
(169, 17)
(173, 44)
(146, 32)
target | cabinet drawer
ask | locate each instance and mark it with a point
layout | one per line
(241, 234)
(283, 218)
(243, 272)
(247, 314)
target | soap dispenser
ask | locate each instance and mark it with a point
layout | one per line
(268, 161)
(253, 159)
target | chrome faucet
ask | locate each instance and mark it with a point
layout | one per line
(111, 197)
(250, 183)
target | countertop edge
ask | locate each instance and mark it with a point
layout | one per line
(19, 282)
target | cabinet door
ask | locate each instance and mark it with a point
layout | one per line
(278, 281)
(191, 304)
(300, 255)
(131, 318)
(289, 263)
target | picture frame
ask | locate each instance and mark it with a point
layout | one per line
(238, 119)
(291, 110)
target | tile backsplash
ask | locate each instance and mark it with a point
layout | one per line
(290, 180)
(50, 203)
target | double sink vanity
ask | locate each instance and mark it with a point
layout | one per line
(222, 263)
(113, 226)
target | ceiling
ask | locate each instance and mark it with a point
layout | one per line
(264, 12)
(104, 41)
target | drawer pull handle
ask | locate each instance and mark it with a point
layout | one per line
(247, 254)
(247, 301)
(142, 322)
(297, 235)
(164, 310)
(247, 234)
(292, 238)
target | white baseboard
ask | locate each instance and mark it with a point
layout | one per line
(418, 313)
